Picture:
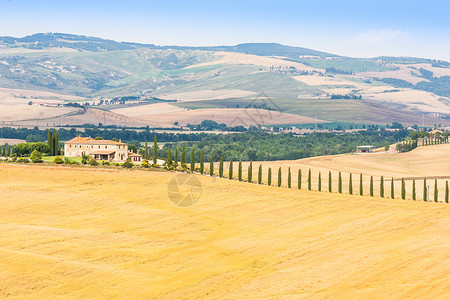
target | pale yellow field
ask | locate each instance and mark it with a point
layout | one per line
(234, 58)
(423, 162)
(229, 116)
(91, 233)
(403, 73)
(147, 110)
(208, 95)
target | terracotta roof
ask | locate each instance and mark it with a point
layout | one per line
(133, 154)
(103, 152)
(91, 141)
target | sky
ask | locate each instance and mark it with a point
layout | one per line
(344, 27)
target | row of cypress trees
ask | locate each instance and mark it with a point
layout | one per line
(5, 150)
(201, 169)
(53, 142)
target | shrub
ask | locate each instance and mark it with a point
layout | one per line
(58, 160)
(145, 164)
(92, 161)
(36, 156)
(127, 164)
(23, 160)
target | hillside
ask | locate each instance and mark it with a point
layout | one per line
(295, 80)
(77, 233)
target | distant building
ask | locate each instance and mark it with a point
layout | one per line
(365, 149)
(99, 149)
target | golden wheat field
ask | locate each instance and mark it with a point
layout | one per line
(80, 232)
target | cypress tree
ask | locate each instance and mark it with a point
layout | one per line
(53, 143)
(250, 172)
(309, 179)
(435, 190)
(211, 165)
(50, 141)
(193, 159)
(260, 174)
(414, 189)
(146, 151)
(155, 151)
(240, 171)
(221, 166)
(403, 189)
(371, 186)
(382, 187)
(4, 150)
(340, 183)
(169, 156)
(202, 162)
(230, 169)
(176, 155)
(299, 179)
(57, 148)
(279, 176)
(446, 191)
(425, 189)
(330, 183)
(8, 152)
(183, 156)
(392, 188)
(289, 177)
(269, 177)
(350, 185)
(319, 184)
(361, 192)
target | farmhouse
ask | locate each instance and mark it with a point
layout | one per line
(99, 149)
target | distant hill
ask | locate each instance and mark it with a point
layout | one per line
(95, 44)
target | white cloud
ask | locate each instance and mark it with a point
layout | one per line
(380, 37)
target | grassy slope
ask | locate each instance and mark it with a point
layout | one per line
(73, 232)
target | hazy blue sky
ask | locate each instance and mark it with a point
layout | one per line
(354, 28)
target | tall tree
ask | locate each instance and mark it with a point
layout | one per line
(57, 148)
(330, 182)
(169, 156)
(361, 192)
(183, 156)
(279, 176)
(414, 189)
(260, 174)
(250, 172)
(382, 186)
(202, 162)
(309, 180)
(403, 189)
(53, 143)
(435, 190)
(446, 191)
(340, 183)
(240, 171)
(319, 184)
(211, 165)
(155, 151)
(146, 151)
(289, 177)
(230, 170)
(50, 141)
(392, 188)
(299, 179)
(176, 155)
(350, 185)
(425, 190)
(4, 150)
(193, 159)
(371, 186)
(269, 176)
(221, 167)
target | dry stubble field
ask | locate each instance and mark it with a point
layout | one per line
(96, 233)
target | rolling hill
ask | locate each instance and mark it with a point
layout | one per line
(298, 81)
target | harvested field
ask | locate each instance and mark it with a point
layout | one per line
(208, 95)
(92, 233)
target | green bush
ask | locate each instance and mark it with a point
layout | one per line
(92, 161)
(23, 160)
(127, 164)
(145, 164)
(58, 160)
(36, 156)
